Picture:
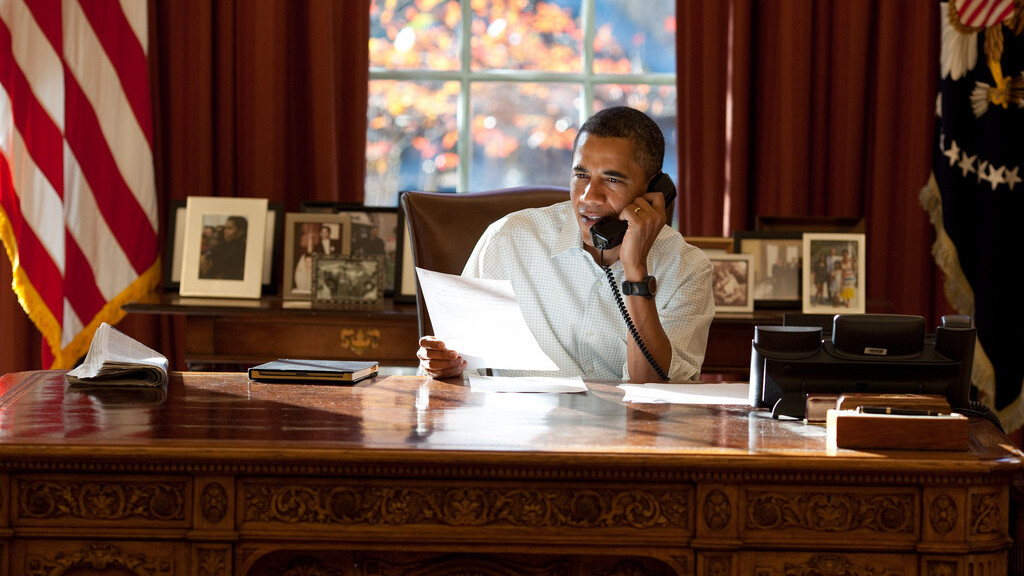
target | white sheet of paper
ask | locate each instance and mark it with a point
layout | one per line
(734, 393)
(526, 384)
(480, 319)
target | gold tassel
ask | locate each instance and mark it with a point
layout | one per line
(1016, 22)
(994, 44)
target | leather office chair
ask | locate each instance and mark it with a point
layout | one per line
(444, 228)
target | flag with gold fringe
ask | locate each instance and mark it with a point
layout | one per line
(78, 208)
(976, 193)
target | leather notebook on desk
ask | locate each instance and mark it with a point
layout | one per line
(313, 371)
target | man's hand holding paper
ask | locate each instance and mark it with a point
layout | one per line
(479, 320)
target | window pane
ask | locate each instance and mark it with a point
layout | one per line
(411, 138)
(527, 35)
(658, 102)
(415, 35)
(522, 133)
(633, 37)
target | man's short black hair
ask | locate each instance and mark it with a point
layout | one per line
(626, 122)
(241, 223)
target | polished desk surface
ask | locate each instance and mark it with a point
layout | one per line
(416, 418)
(217, 475)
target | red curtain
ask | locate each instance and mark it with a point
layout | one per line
(796, 107)
(815, 108)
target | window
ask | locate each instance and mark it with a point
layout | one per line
(476, 95)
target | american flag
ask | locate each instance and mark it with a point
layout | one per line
(78, 206)
(976, 197)
(983, 13)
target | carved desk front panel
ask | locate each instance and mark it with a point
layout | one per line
(218, 475)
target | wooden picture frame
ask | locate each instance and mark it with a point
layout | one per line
(712, 244)
(218, 259)
(834, 268)
(348, 282)
(731, 285)
(777, 268)
(305, 235)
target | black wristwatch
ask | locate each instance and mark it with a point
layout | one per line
(647, 287)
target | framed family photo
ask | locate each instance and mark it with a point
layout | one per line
(224, 246)
(349, 282)
(176, 215)
(833, 271)
(375, 231)
(731, 286)
(305, 236)
(776, 267)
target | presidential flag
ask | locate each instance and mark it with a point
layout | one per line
(976, 193)
(78, 208)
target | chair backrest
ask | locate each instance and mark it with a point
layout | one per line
(444, 227)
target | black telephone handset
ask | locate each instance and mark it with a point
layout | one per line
(608, 233)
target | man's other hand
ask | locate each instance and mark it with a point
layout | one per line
(437, 360)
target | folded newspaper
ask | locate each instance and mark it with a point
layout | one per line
(115, 359)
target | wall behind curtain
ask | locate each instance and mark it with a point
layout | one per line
(831, 113)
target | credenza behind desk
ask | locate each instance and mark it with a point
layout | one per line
(218, 476)
(240, 333)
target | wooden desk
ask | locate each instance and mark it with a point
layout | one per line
(244, 333)
(406, 475)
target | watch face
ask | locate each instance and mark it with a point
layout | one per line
(646, 287)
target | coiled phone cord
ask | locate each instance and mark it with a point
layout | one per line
(629, 321)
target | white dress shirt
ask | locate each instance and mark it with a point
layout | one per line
(568, 303)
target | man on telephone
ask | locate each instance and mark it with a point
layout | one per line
(557, 268)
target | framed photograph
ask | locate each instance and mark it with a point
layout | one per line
(712, 244)
(175, 245)
(834, 272)
(834, 224)
(376, 231)
(176, 242)
(352, 282)
(305, 236)
(405, 287)
(224, 247)
(777, 268)
(732, 286)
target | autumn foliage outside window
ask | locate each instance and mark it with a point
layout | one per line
(481, 94)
